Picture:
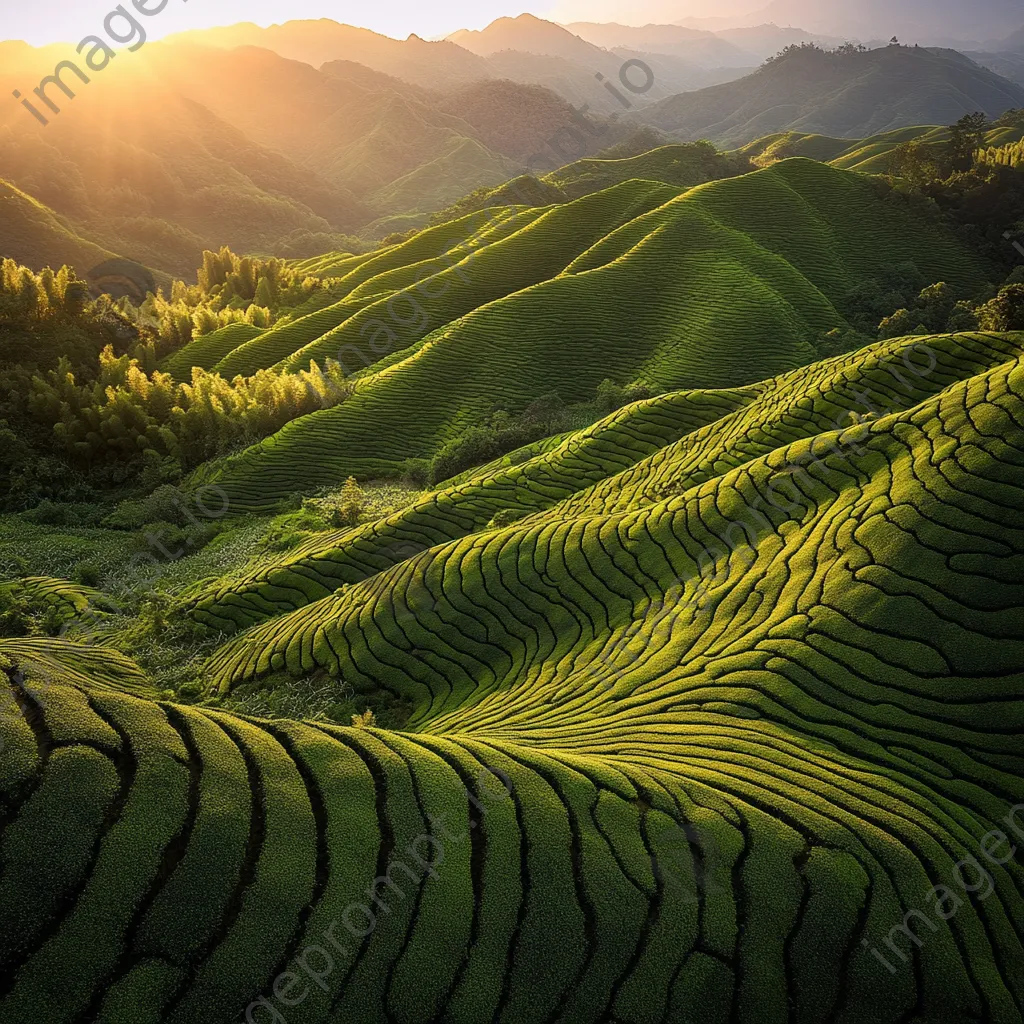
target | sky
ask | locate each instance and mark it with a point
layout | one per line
(71, 20)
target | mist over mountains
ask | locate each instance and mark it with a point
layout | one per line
(308, 134)
(929, 22)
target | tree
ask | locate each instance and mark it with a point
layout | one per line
(966, 137)
(962, 318)
(352, 505)
(913, 161)
(935, 305)
(1005, 312)
(265, 293)
(899, 325)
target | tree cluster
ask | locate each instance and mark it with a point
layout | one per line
(85, 406)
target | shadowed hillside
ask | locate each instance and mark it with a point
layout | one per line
(161, 189)
(853, 95)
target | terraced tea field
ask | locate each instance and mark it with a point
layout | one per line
(869, 156)
(713, 287)
(708, 701)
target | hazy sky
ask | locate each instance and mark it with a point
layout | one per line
(70, 20)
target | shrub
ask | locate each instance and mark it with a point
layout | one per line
(352, 504)
(15, 614)
(415, 473)
(611, 396)
(506, 517)
(896, 326)
(55, 513)
(87, 573)
(962, 318)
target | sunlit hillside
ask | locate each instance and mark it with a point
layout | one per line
(521, 527)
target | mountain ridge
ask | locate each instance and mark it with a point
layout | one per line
(855, 95)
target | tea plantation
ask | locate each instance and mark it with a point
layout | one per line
(708, 700)
(717, 286)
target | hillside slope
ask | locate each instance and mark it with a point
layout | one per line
(868, 156)
(851, 95)
(35, 236)
(712, 287)
(698, 742)
(162, 189)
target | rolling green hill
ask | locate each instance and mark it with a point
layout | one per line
(713, 287)
(698, 737)
(36, 236)
(680, 164)
(852, 95)
(685, 165)
(869, 156)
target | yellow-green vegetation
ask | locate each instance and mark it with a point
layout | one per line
(711, 287)
(624, 626)
(873, 155)
(705, 703)
(87, 403)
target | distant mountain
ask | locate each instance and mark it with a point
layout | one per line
(528, 34)
(1013, 43)
(526, 49)
(705, 49)
(356, 128)
(366, 132)
(171, 178)
(764, 41)
(269, 154)
(921, 21)
(1009, 64)
(851, 95)
(520, 120)
(577, 82)
(433, 65)
(529, 49)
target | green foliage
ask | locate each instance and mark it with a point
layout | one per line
(86, 393)
(1005, 312)
(506, 517)
(966, 137)
(46, 316)
(129, 422)
(701, 575)
(503, 433)
(351, 504)
(88, 574)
